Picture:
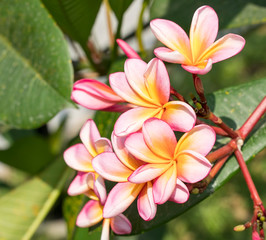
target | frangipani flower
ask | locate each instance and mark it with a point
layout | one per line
(118, 167)
(170, 163)
(95, 95)
(198, 52)
(79, 157)
(92, 213)
(147, 86)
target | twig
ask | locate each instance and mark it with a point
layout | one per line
(253, 119)
(219, 122)
(222, 152)
(251, 186)
(177, 94)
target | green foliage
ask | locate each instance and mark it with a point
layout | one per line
(119, 7)
(36, 74)
(76, 18)
(71, 208)
(24, 208)
(30, 154)
(232, 14)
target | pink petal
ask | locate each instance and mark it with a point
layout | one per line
(99, 189)
(157, 81)
(123, 154)
(120, 85)
(89, 134)
(120, 198)
(119, 108)
(147, 172)
(173, 36)
(164, 185)
(132, 120)
(90, 214)
(103, 145)
(162, 141)
(106, 229)
(169, 55)
(109, 167)
(134, 70)
(192, 166)
(198, 69)
(137, 147)
(146, 206)
(121, 225)
(79, 184)
(179, 115)
(203, 30)
(91, 186)
(93, 94)
(180, 193)
(78, 158)
(225, 47)
(129, 51)
(200, 139)
(256, 236)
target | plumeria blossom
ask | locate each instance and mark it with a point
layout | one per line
(92, 213)
(147, 86)
(170, 164)
(95, 95)
(79, 157)
(118, 167)
(197, 53)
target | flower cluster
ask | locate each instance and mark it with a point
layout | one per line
(144, 157)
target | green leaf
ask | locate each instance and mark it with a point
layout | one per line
(36, 72)
(76, 18)
(119, 7)
(24, 208)
(234, 105)
(71, 209)
(232, 14)
(30, 154)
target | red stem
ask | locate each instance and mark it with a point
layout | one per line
(200, 91)
(222, 152)
(177, 94)
(216, 168)
(251, 186)
(219, 122)
(253, 119)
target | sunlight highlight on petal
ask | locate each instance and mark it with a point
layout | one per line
(78, 158)
(90, 214)
(120, 198)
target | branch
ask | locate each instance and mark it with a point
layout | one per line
(253, 119)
